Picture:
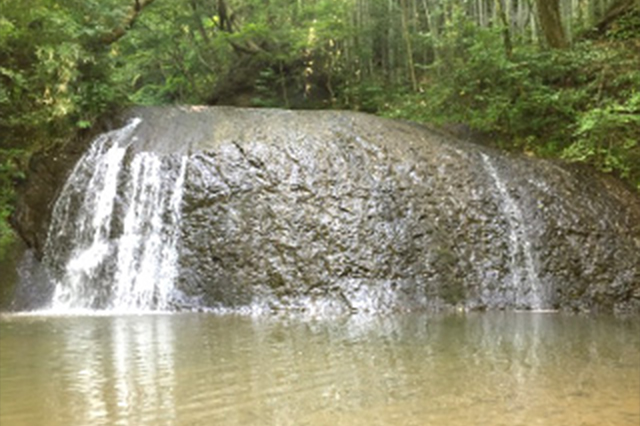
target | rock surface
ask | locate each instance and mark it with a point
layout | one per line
(341, 211)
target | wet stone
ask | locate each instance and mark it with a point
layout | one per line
(332, 211)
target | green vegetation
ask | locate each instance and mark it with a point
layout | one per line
(581, 104)
(55, 77)
(552, 78)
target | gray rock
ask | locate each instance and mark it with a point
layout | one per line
(340, 211)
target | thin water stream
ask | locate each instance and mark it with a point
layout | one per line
(524, 276)
(201, 369)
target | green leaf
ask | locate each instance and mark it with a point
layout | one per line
(83, 124)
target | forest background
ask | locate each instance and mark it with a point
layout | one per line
(549, 78)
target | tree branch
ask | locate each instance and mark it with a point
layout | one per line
(127, 22)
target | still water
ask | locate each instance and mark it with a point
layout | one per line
(201, 369)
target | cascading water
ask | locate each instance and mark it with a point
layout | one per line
(147, 249)
(523, 274)
(113, 239)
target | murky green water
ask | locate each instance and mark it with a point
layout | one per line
(198, 369)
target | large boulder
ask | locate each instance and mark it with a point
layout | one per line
(342, 211)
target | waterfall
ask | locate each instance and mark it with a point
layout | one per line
(522, 268)
(266, 210)
(114, 234)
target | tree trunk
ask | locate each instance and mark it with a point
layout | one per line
(433, 29)
(506, 29)
(408, 45)
(551, 23)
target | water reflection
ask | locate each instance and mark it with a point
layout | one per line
(143, 370)
(200, 369)
(88, 371)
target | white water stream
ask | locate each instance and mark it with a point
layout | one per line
(523, 272)
(113, 238)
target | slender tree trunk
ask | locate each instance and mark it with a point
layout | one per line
(481, 13)
(391, 45)
(433, 28)
(506, 32)
(522, 17)
(551, 23)
(409, 47)
(533, 18)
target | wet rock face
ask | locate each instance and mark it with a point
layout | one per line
(338, 211)
(344, 211)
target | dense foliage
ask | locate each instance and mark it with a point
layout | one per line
(55, 77)
(556, 78)
(581, 104)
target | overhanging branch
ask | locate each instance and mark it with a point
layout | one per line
(127, 22)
